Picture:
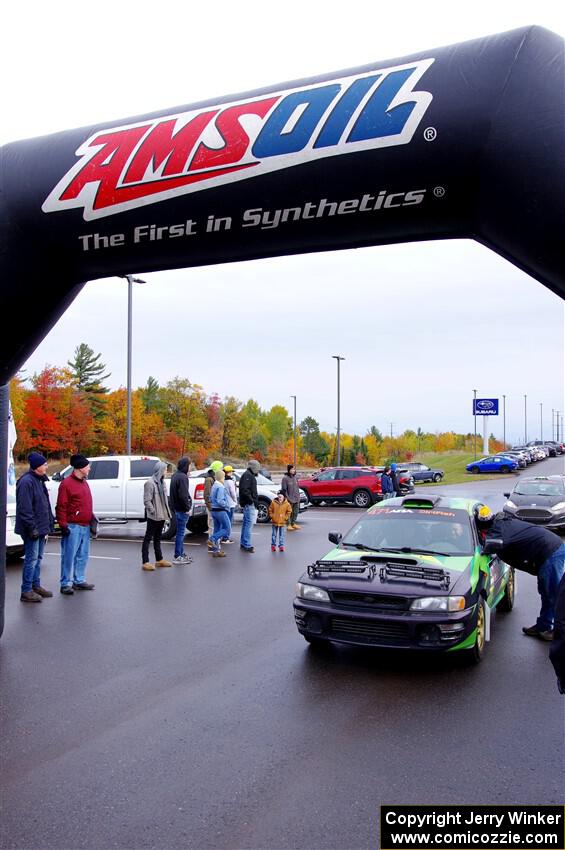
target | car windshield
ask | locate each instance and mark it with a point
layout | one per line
(442, 530)
(540, 488)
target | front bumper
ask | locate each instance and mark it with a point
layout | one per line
(555, 522)
(437, 631)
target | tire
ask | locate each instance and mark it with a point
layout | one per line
(169, 529)
(316, 642)
(507, 602)
(198, 525)
(505, 469)
(314, 502)
(307, 494)
(263, 514)
(437, 477)
(475, 470)
(362, 499)
(476, 653)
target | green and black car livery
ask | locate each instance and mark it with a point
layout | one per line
(410, 574)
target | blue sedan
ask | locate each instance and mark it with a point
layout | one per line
(495, 463)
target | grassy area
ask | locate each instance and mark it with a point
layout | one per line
(453, 465)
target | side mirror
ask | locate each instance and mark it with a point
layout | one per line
(335, 537)
(507, 495)
(492, 546)
(56, 476)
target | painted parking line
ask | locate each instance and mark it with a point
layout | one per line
(90, 557)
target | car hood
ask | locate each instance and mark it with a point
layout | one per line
(536, 501)
(463, 571)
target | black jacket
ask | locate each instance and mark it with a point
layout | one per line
(33, 509)
(557, 648)
(179, 495)
(525, 546)
(248, 489)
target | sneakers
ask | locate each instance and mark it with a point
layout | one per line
(41, 591)
(273, 548)
(295, 526)
(247, 548)
(82, 585)
(163, 563)
(181, 559)
(217, 553)
(31, 596)
(227, 540)
(210, 544)
(281, 548)
(533, 631)
(67, 591)
(147, 566)
(291, 528)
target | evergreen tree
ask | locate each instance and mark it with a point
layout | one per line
(88, 376)
(150, 395)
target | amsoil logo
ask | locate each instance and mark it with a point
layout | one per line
(137, 164)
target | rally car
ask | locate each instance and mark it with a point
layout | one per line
(410, 574)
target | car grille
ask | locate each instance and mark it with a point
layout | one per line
(369, 631)
(373, 601)
(534, 515)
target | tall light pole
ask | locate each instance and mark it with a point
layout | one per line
(338, 359)
(504, 421)
(525, 419)
(552, 423)
(541, 420)
(294, 430)
(475, 417)
(131, 280)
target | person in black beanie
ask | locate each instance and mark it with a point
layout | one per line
(291, 492)
(34, 521)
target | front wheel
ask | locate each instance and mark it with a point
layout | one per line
(437, 477)
(505, 469)
(475, 470)
(314, 502)
(169, 529)
(507, 602)
(475, 654)
(362, 499)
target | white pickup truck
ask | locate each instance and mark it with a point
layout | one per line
(116, 483)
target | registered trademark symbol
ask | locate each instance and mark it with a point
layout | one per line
(430, 133)
(439, 192)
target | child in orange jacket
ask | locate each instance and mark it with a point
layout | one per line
(279, 511)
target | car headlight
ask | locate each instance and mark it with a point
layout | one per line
(510, 504)
(438, 603)
(308, 591)
(558, 507)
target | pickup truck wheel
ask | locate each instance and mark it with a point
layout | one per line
(362, 499)
(263, 513)
(437, 477)
(169, 529)
(198, 525)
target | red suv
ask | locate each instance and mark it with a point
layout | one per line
(358, 484)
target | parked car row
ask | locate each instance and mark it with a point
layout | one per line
(358, 484)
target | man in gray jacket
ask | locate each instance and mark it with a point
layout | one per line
(291, 490)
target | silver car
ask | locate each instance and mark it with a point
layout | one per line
(540, 500)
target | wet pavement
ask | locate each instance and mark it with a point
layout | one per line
(181, 708)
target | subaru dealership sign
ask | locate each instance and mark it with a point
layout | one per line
(485, 407)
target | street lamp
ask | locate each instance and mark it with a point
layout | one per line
(504, 421)
(294, 430)
(338, 359)
(475, 415)
(541, 420)
(131, 280)
(525, 419)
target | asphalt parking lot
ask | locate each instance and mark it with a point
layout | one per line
(181, 709)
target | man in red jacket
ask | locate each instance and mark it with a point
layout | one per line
(74, 513)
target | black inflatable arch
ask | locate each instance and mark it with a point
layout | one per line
(461, 141)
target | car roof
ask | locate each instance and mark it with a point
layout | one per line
(431, 501)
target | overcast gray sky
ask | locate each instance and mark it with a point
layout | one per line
(420, 325)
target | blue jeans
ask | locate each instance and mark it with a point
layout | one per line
(549, 576)
(280, 532)
(75, 549)
(249, 517)
(221, 527)
(182, 519)
(33, 553)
